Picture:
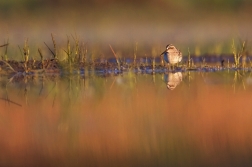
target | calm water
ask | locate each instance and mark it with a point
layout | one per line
(176, 119)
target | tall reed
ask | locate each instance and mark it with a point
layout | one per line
(238, 54)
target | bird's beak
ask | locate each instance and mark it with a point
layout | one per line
(162, 53)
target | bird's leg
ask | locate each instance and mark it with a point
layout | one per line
(169, 66)
(176, 65)
(166, 65)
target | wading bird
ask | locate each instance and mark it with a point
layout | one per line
(172, 55)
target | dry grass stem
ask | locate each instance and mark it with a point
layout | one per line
(8, 65)
(237, 55)
(189, 63)
(4, 45)
(50, 50)
(135, 55)
(77, 48)
(55, 47)
(6, 50)
(117, 60)
(26, 53)
(41, 58)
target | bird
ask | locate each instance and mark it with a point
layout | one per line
(172, 55)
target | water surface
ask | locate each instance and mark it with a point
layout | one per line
(172, 119)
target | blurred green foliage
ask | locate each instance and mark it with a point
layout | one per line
(218, 4)
(187, 23)
(17, 5)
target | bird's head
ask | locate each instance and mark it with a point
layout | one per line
(168, 47)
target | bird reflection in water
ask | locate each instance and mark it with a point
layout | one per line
(173, 79)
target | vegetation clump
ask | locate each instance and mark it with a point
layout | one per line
(74, 59)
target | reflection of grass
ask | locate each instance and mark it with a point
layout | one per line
(238, 78)
(132, 125)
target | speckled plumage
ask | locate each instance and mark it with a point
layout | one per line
(172, 55)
